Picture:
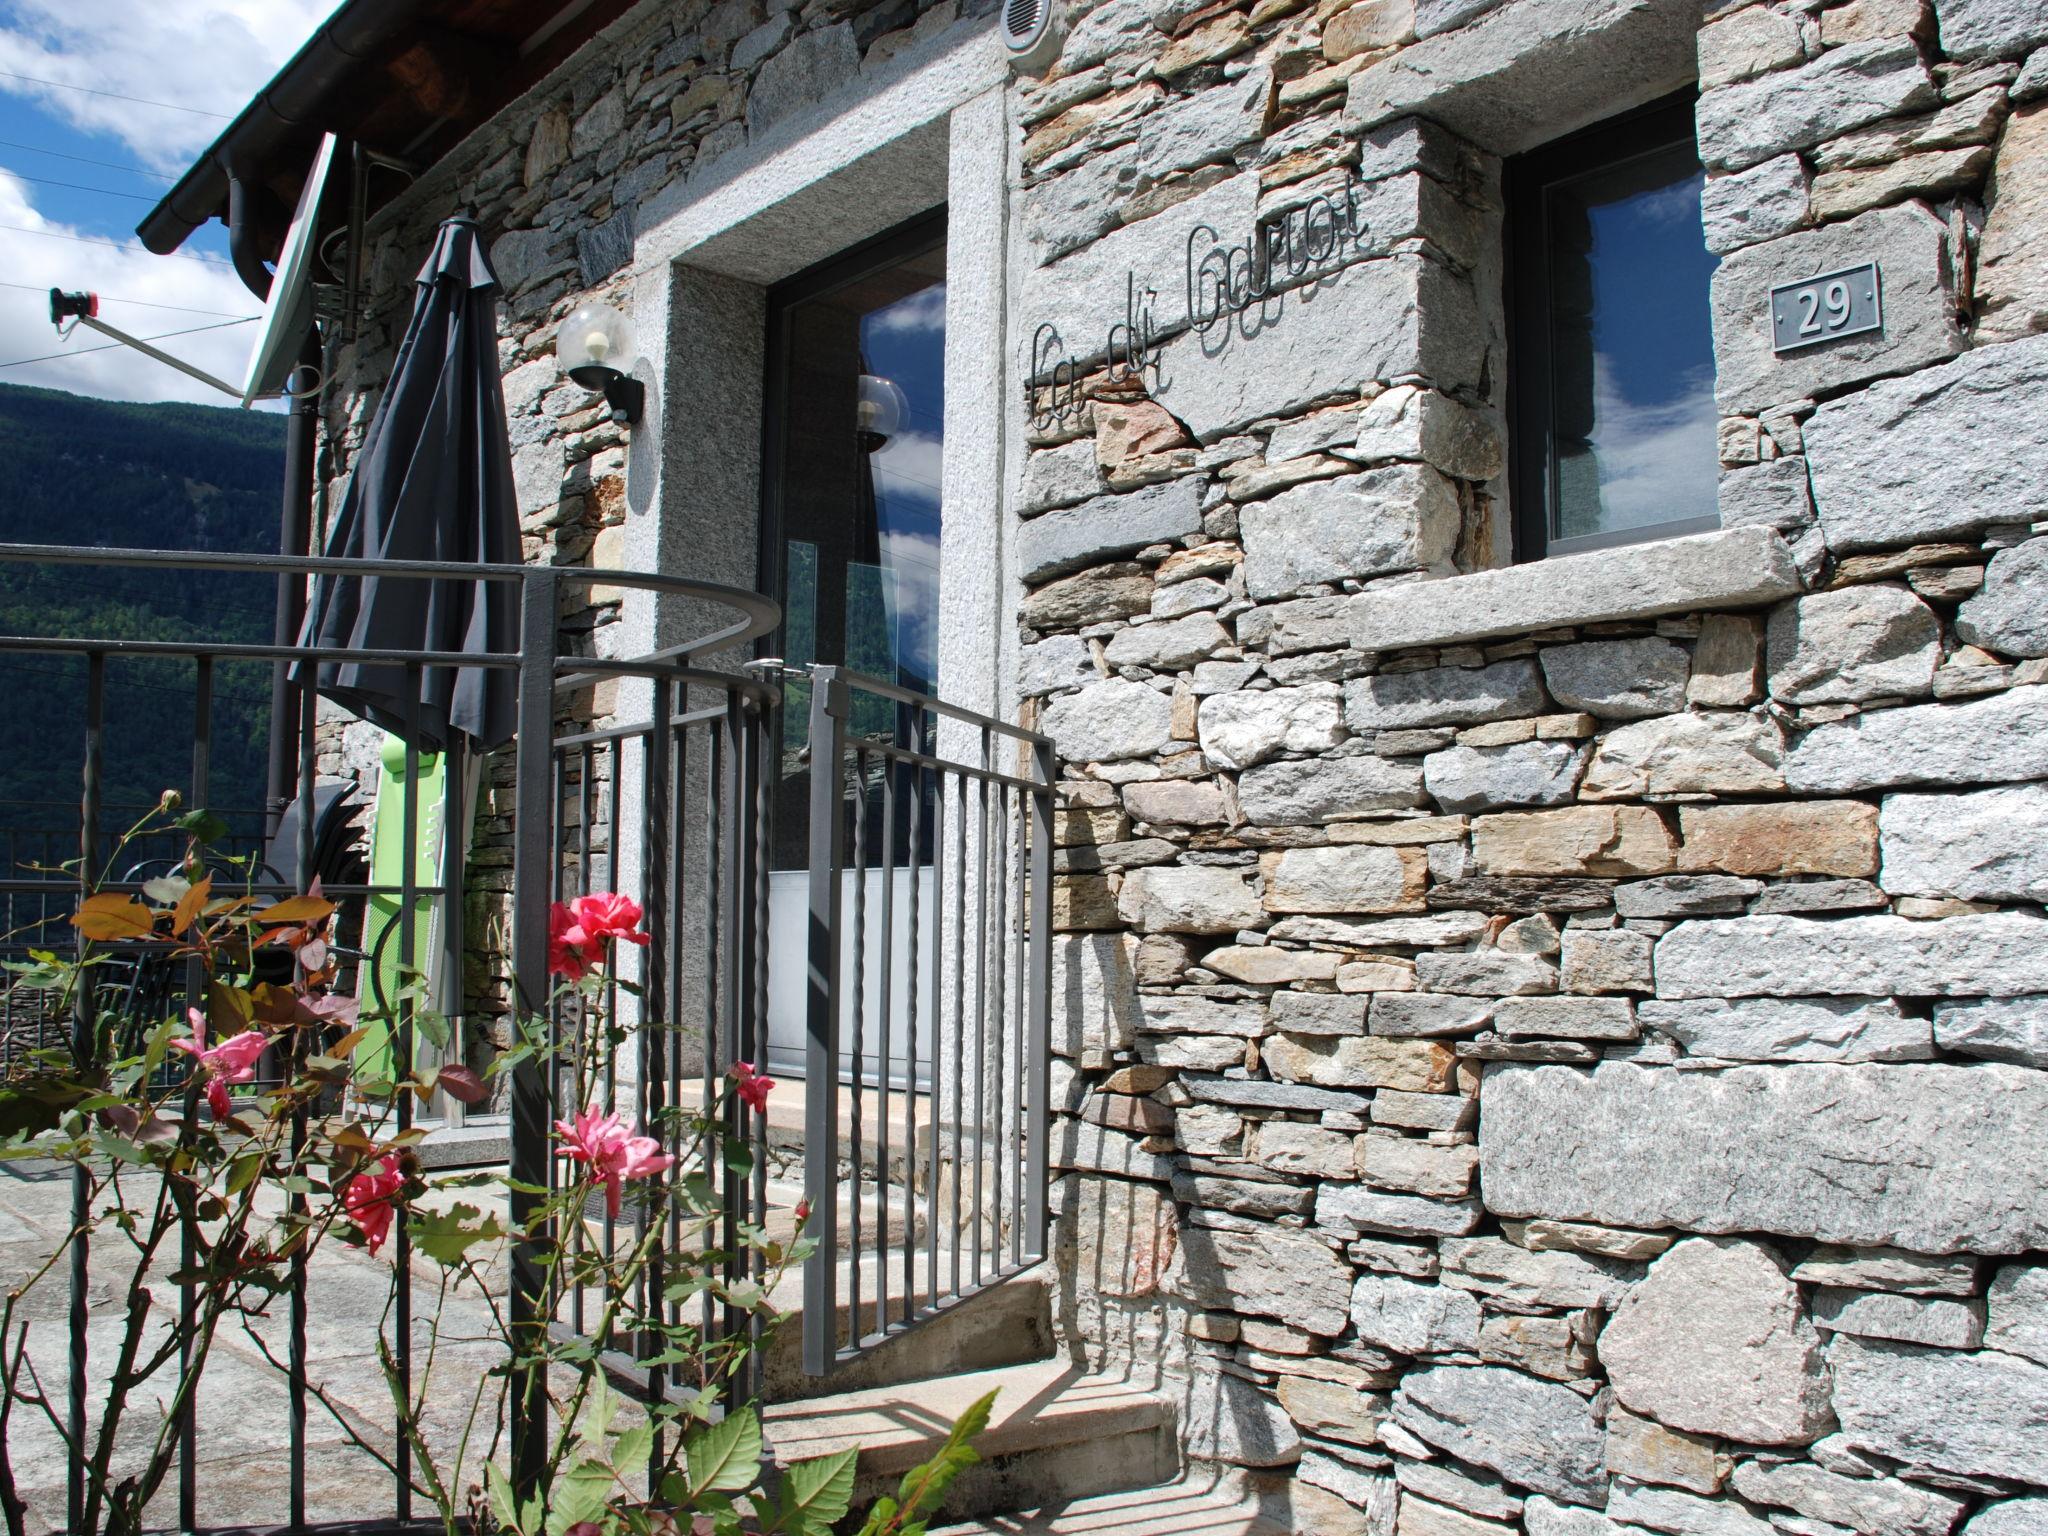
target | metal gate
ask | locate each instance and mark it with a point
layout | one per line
(919, 1204)
(922, 1192)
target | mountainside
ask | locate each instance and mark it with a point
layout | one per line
(79, 471)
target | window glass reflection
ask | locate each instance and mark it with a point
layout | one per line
(1632, 360)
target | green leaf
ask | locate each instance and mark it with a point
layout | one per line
(631, 1450)
(579, 1494)
(924, 1486)
(446, 1236)
(159, 1047)
(498, 1488)
(243, 1170)
(818, 1492)
(203, 826)
(725, 1457)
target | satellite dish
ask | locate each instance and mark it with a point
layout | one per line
(289, 309)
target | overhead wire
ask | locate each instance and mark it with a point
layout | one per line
(73, 186)
(108, 298)
(118, 245)
(47, 357)
(109, 165)
(140, 101)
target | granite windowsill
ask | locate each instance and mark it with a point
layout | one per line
(1728, 568)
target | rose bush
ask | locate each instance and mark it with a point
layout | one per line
(207, 1171)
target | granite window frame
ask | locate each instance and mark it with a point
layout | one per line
(1527, 293)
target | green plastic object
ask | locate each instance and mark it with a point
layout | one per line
(382, 974)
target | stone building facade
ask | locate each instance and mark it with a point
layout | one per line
(1555, 1044)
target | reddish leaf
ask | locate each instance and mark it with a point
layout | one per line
(460, 1083)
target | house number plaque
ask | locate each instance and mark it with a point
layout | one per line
(1816, 309)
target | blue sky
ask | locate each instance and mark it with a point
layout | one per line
(113, 98)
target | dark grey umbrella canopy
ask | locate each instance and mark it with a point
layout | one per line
(433, 482)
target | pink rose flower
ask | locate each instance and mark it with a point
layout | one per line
(371, 1200)
(611, 1150)
(753, 1087)
(232, 1061)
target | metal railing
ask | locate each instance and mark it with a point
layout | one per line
(697, 828)
(927, 965)
(930, 944)
(674, 811)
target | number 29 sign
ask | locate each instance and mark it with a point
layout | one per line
(1816, 309)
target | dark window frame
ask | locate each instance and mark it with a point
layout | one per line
(910, 238)
(1530, 417)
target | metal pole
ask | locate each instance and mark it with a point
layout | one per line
(84, 1030)
(821, 1069)
(294, 537)
(1038, 1025)
(532, 853)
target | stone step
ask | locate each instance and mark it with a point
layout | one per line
(1056, 1433)
(1008, 1324)
(1199, 1504)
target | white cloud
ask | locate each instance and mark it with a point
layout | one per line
(128, 274)
(209, 54)
(1656, 461)
(911, 464)
(924, 311)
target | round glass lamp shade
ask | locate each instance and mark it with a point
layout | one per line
(879, 411)
(593, 345)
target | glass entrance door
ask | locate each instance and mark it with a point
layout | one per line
(851, 521)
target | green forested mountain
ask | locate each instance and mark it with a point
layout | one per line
(94, 472)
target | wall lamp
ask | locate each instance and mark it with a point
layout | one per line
(585, 346)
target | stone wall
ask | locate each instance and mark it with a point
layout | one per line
(1559, 1047)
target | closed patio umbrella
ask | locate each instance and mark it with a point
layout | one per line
(433, 482)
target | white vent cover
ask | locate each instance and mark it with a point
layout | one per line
(1029, 32)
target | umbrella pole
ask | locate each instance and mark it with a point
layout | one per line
(294, 541)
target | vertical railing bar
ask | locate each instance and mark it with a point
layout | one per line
(981, 997)
(1000, 1088)
(188, 1293)
(609, 810)
(575, 885)
(714, 1043)
(1038, 1028)
(84, 1032)
(1020, 994)
(531, 1099)
(557, 858)
(855, 1180)
(655, 855)
(456, 813)
(732, 904)
(937, 1075)
(914, 778)
(764, 732)
(304, 876)
(884, 1023)
(821, 1053)
(678, 812)
(401, 1065)
(959, 1018)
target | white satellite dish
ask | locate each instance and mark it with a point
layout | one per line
(289, 308)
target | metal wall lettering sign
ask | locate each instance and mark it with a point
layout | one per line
(1292, 249)
(1816, 309)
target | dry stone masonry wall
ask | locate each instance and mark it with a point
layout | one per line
(1558, 1047)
